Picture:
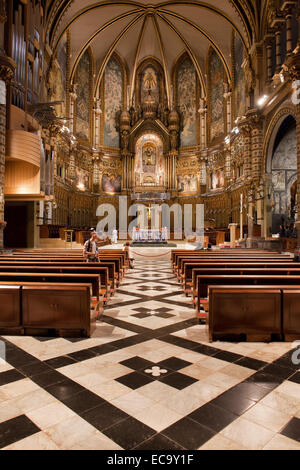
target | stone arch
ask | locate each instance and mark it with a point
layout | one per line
(272, 133)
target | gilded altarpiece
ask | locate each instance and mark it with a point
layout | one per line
(149, 162)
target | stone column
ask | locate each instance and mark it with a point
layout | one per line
(7, 67)
(96, 174)
(293, 69)
(245, 129)
(257, 141)
(268, 42)
(233, 228)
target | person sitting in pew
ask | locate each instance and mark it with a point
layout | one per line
(90, 250)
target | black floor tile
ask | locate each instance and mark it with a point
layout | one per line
(135, 380)
(213, 417)
(102, 349)
(228, 356)
(10, 376)
(265, 380)
(173, 363)
(64, 390)
(159, 442)
(287, 361)
(137, 363)
(104, 416)
(83, 401)
(251, 390)
(17, 357)
(292, 429)
(59, 362)
(279, 371)
(295, 378)
(206, 350)
(251, 363)
(16, 429)
(34, 369)
(48, 378)
(129, 433)
(177, 380)
(82, 355)
(188, 433)
(233, 402)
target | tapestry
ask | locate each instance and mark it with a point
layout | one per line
(239, 89)
(83, 97)
(111, 183)
(187, 95)
(113, 100)
(216, 105)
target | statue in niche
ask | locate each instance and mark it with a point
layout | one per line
(150, 81)
(149, 159)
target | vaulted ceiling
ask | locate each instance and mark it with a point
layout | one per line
(164, 30)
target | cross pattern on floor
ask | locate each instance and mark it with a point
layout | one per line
(152, 383)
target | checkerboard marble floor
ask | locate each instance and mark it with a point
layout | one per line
(148, 380)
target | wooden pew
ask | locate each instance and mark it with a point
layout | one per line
(291, 317)
(259, 313)
(108, 282)
(179, 269)
(40, 268)
(43, 308)
(251, 312)
(216, 280)
(51, 278)
(242, 269)
(10, 313)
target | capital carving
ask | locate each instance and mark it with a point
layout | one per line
(7, 68)
(292, 65)
(3, 15)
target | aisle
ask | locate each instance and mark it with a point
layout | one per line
(148, 379)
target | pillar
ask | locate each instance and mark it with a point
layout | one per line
(7, 67)
(232, 228)
(293, 69)
(268, 43)
(278, 49)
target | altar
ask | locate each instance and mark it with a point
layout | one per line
(150, 236)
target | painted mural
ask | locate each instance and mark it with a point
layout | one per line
(113, 99)
(149, 161)
(111, 183)
(217, 179)
(187, 95)
(239, 91)
(216, 81)
(82, 179)
(62, 60)
(188, 184)
(83, 97)
(150, 81)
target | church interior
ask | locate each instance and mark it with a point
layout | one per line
(149, 225)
